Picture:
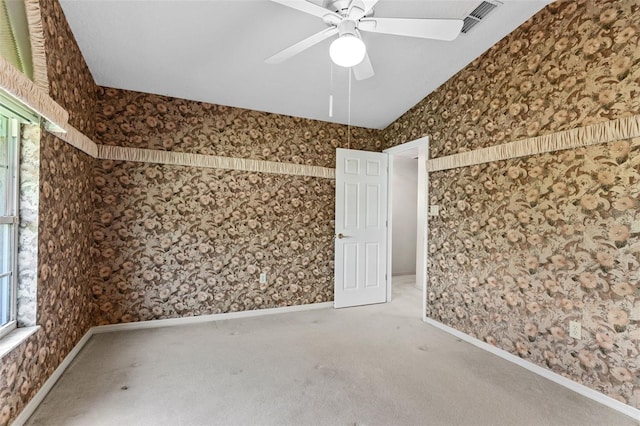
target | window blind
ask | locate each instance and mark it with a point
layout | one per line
(14, 36)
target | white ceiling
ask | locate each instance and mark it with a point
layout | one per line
(214, 51)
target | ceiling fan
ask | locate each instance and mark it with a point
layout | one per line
(346, 18)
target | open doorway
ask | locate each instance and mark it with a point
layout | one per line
(407, 230)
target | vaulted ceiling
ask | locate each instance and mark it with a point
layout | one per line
(214, 51)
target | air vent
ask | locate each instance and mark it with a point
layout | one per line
(478, 14)
(483, 10)
(469, 23)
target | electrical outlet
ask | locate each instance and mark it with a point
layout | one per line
(575, 330)
(434, 210)
(263, 278)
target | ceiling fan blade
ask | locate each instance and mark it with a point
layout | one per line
(437, 29)
(369, 4)
(311, 9)
(293, 50)
(359, 8)
(364, 69)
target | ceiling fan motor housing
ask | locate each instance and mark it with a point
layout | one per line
(346, 8)
(341, 7)
(347, 28)
(347, 18)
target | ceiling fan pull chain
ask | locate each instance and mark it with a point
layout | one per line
(349, 114)
(331, 92)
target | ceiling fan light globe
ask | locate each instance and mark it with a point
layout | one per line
(347, 51)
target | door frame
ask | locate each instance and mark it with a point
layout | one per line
(423, 218)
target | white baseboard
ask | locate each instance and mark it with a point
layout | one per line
(31, 406)
(541, 371)
(208, 318)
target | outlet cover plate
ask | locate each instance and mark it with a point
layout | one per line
(575, 330)
(263, 278)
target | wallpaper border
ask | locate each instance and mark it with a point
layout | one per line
(77, 139)
(608, 131)
(35, 97)
(107, 152)
(26, 91)
(36, 36)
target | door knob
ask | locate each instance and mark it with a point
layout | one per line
(340, 236)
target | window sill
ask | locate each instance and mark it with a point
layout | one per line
(15, 338)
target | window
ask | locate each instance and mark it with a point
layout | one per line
(9, 192)
(15, 47)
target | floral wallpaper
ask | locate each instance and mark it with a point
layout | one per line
(64, 250)
(174, 241)
(573, 64)
(178, 241)
(537, 241)
(70, 81)
(64, 300)
(63, 222)
(524, 246)
(142, 120)
(527, 245)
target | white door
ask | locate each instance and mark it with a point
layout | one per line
(361, 228)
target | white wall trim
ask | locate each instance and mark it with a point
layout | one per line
(170, 322)
(389, 259)
(423, 176)
(422, 145)
(32, 405)
(15, 337)
(541, 371)
(417, 143)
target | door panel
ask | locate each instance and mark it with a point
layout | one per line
(372, 212)
(351, 195)
(371, 262)
(350, 280)
(361, 228)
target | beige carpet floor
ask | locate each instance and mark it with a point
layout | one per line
(372, 365)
